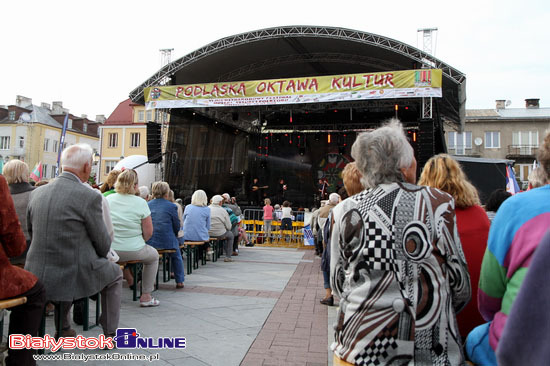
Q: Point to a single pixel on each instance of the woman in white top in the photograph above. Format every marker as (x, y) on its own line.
(133, 226)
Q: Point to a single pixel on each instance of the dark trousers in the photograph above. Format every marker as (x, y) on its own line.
(25, 319)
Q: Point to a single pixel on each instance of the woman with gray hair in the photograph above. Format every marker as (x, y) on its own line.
(397, 263)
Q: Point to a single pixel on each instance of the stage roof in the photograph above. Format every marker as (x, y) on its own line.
(302, 51)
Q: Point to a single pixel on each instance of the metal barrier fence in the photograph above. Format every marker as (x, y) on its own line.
(259, 233)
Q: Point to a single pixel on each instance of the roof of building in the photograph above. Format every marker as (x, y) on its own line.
(303, 51)
(508, 113)
(122, 115)
(38, 115)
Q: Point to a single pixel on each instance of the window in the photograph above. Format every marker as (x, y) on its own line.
(140, 116)
(46, 144)
(21, 141)
(11, 115)
(85, 127)
(135, 139)
(492, 140)
(460, 142)
(4, 142)
(149, 115)
(55, 143)
(525, 141)
(70, 123)
(113, 139)
(109, 165)
(44, 171)
(52, 175)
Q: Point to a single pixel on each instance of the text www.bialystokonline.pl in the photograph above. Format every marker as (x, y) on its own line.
(97, 357)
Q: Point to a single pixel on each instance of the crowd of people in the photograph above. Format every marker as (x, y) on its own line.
(65, 241)
(423, 272)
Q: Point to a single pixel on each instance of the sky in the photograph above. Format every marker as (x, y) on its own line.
(91, 55)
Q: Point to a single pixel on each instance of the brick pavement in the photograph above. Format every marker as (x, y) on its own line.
(295, 333)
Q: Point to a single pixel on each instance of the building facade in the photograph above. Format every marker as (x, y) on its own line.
(502, 133)
(124, 133)
(32, 133)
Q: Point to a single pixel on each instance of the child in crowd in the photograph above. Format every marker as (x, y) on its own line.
(268, 217)
(286, 217)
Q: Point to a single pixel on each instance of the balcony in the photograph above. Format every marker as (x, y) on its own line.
(522, 151)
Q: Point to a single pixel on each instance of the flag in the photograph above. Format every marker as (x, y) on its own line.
(36, 173)
(511, 182)
(308, 236)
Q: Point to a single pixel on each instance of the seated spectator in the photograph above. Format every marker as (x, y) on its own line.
(16, 282)
(525, 337)
(220, 225)
(108, 187)
(537, 178)
(396, 262)
(16, 173)
(443, 172)
(144, 193)
(179, 206)
(196, 219)
(516, 231)
(231, 204)
(494, 201)
(133, 226)
(166, 225)
(70, 242)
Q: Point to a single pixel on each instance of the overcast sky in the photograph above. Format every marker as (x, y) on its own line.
(90, 55)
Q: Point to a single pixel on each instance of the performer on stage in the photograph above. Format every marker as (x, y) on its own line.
(281, 190)
(257, 192)
(323, 185)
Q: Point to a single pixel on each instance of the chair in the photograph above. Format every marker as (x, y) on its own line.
(7, 304)
(136, 267)
(164, 255)
(214, 244)
(192, 255)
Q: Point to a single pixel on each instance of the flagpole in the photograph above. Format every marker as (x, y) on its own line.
(61, 143)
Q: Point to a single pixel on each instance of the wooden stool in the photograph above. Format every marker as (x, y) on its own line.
(193, 252)
(214, 242)
(7, 304)
(164, 256)
(135, 271)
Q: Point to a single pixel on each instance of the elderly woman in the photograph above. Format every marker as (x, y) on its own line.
(196, 218)
(166, 225)
(444, 173)
(16, 173)
(396, 263)
(133, 226)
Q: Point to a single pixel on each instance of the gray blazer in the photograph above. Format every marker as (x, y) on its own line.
(69, 240)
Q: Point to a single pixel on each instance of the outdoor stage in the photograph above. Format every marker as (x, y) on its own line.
(288, 102)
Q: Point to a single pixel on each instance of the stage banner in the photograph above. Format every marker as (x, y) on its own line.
(316, 89)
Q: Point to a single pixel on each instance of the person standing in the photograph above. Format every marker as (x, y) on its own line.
(268, 217)
(70, 242)
(396, 262)
(516, 231)
(443, 172)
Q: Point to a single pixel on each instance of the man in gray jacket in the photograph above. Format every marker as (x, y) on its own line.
(69, 242)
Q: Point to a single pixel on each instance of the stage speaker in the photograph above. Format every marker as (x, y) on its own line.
(154, 153)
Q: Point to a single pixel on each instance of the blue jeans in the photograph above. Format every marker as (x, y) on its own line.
(176, 261)
(326, 279)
